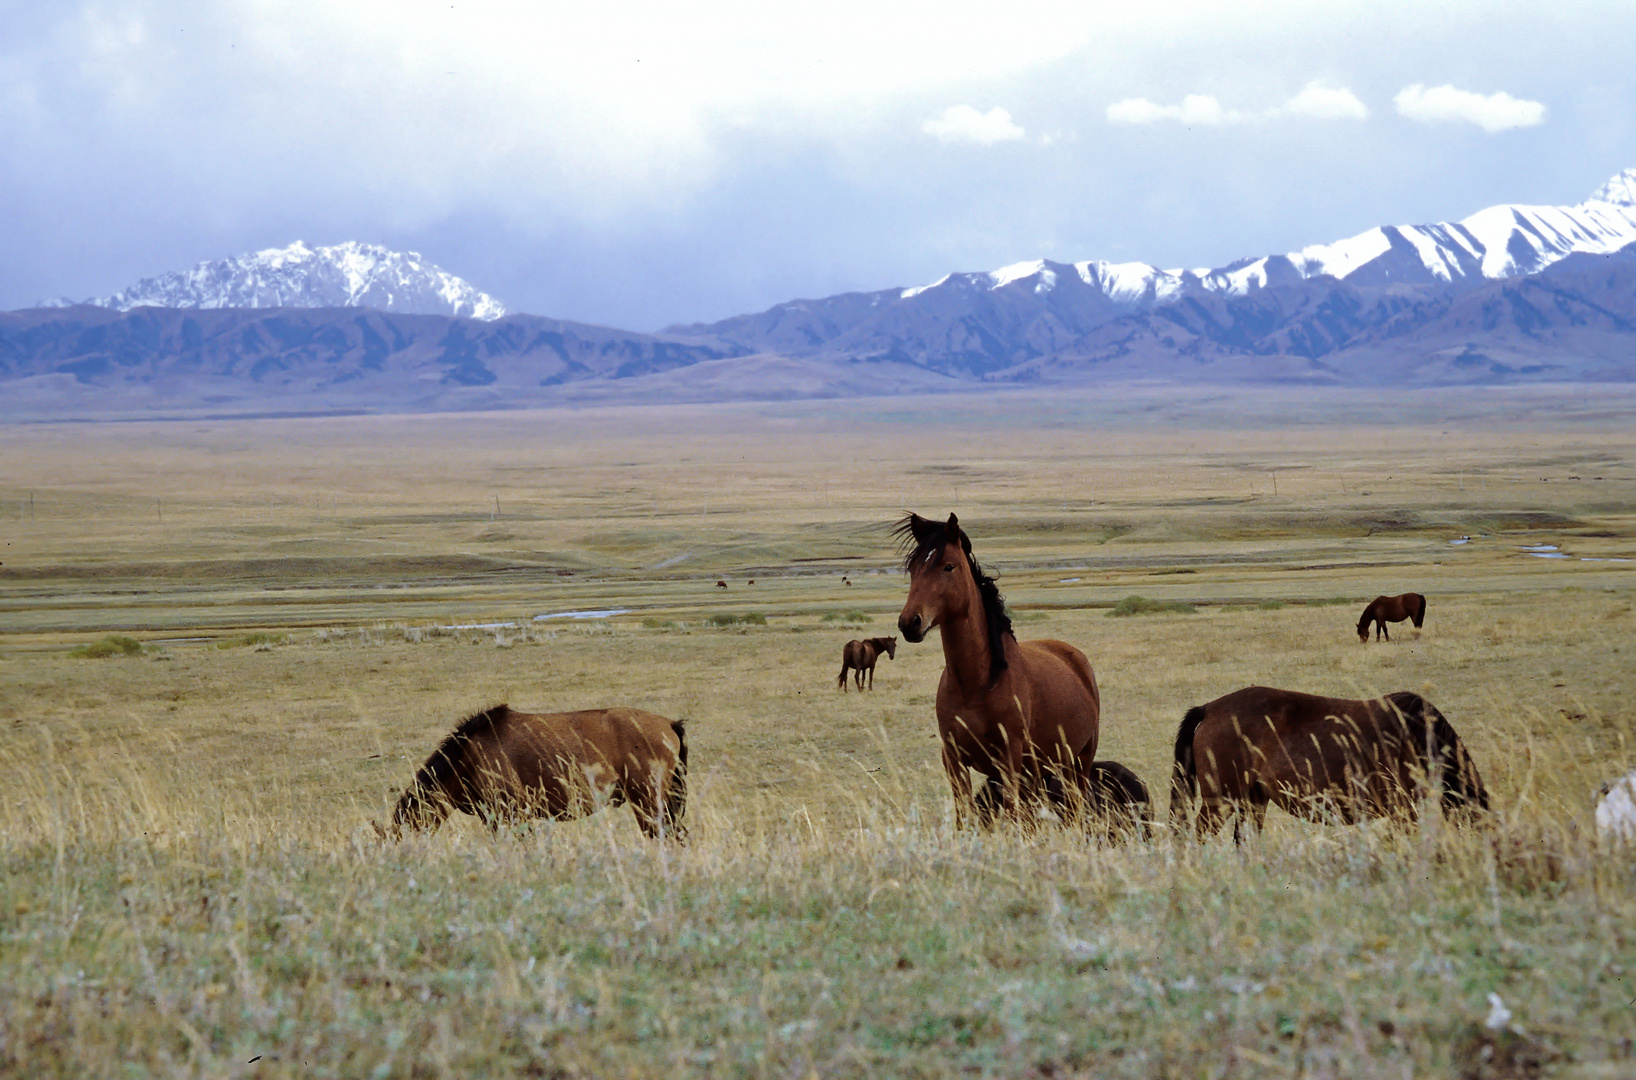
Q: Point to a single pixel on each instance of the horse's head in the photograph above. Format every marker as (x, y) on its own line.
(891, 647)
(1463, 796)
(1363, 628)
(417, 810)
(942, 574)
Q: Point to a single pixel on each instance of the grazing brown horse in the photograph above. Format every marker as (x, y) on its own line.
(1023, 714)
(859, 657)
(1118, 800)
(505, 766)
(1385, 609)
(1322, 759)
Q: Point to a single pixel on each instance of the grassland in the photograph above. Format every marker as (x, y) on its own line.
(191, 886)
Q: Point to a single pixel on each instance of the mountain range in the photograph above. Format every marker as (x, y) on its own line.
(1511, 293)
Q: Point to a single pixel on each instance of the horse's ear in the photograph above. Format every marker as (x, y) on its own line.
(954, 523)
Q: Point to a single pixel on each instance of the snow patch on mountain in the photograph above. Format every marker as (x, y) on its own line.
(341, 275)
(1499, 242)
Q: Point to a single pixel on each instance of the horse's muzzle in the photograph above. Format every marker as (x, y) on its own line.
(911, 628)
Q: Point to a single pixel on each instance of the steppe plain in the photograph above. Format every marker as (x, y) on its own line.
(192, 886)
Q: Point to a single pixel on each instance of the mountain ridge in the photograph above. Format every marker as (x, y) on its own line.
(1509, 294)
(349, 274)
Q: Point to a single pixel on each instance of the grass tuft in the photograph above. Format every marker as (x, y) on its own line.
(853, 616)
(258, 639)
(102, 648)
(1141, 605)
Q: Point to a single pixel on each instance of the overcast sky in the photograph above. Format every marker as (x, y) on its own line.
(644, 165)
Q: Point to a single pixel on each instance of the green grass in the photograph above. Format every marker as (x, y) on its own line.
(1141, 605)
(773, 947)
(104, 647)
(853, 616)
(725, 620)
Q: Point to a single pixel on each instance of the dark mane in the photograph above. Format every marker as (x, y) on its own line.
(933, 535)
(481, 721)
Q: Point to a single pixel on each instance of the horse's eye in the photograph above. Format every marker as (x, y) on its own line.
(948, 568)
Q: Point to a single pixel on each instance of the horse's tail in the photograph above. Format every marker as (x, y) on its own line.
(840, 680)
(1184, 773)
(676, 793)
(1417, 610)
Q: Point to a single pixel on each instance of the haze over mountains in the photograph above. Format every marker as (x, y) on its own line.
(1511, 293)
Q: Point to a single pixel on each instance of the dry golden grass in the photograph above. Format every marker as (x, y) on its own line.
(190, 881)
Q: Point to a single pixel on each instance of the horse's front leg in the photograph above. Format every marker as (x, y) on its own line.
(959, 786)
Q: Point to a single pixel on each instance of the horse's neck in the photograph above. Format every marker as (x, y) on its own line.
(965, 648)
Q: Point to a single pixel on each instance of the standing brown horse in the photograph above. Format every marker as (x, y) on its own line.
(1023, 714)
(1385, 609)
(1322, 759)
(859, 657)
(503, 766)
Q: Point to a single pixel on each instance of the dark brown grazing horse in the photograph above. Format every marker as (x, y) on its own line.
(1023, 714)
(859, 657)
(1119, 802)
(1322, 759)
(1385, 609)
(505, 766)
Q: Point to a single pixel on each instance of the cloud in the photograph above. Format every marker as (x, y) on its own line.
(1316, 101)
(1194, 109)
(1445, 104)
(964, 124)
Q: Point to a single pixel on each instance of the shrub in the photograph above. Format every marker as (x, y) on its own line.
(1141, 605)
(853, 616)
(752, 619)
(112, 645)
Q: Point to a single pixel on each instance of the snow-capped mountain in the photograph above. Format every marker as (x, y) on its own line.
(1499, 242)
(987, 324)
(342, 275)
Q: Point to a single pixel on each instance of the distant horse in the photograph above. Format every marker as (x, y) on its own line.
(1023, 714)
(504, 766)
(1385, 609)
(859, 657)
(1321, 759)
(720, 584)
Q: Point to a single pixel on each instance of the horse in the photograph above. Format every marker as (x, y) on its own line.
(720, 584)
(1321, 759)
(1117, 799)
(1025, 715)
(1385, 609)
(860, 656)
(505, 766)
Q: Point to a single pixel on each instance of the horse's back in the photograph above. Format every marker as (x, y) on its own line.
(1058, 661)
(1291, 746)
(1061, 683)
